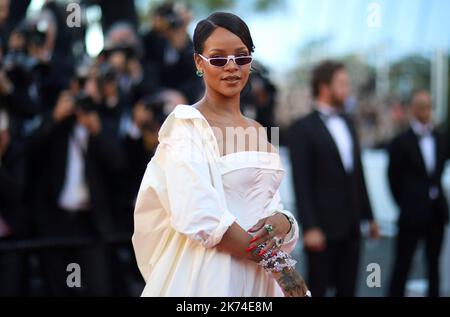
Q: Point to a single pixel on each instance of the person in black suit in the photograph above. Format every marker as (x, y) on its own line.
(417, 160)
(329, 184)
(81, 154)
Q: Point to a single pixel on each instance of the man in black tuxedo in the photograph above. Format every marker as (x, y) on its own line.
(329, 184)
(417, 159)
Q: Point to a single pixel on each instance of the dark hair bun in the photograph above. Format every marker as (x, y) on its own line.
(228, 21)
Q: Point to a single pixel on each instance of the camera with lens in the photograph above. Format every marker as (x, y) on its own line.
(168, 13)
(127, 49)
(18, 61)
(106, 74)
(84, 103)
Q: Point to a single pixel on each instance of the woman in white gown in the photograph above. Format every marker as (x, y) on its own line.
(207, 213)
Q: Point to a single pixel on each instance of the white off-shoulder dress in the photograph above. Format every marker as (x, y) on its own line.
(188, 199)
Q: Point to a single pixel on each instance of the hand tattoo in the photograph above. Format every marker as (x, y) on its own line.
(291, 283)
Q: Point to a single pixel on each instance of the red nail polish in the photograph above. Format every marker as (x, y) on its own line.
(262, 253)
(250, 249)
(253, 240)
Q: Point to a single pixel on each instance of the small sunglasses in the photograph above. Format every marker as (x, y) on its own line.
(222, 61)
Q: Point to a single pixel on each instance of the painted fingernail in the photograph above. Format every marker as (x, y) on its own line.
(250, 249)
(262, 253)
(253, 240)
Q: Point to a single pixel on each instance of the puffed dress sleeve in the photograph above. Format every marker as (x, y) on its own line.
(195, 208)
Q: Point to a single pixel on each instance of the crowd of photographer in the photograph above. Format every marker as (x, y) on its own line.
(76, 134)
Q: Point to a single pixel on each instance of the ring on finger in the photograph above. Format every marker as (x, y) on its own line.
(278, 241)
(269, 228)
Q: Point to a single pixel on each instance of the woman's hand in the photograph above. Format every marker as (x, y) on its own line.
(234, 240)
(280, 228)
(65, 107)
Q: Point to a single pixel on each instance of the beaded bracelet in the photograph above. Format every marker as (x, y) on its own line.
(276, 262)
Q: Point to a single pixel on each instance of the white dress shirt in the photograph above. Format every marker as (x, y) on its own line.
(427, 145)
(340, 133)
(75, 194)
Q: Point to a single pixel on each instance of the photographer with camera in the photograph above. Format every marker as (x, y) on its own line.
(35, 81)
(82, 155)
(169, 50)
(17, 70)
(113, 104)
(123, 52)
(19, 106)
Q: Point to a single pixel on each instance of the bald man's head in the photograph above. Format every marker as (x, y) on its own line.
(422, 107)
